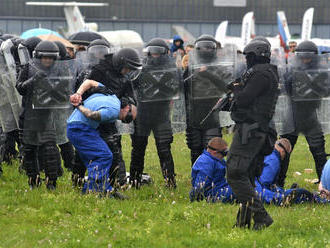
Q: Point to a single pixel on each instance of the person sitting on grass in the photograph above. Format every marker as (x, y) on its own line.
(208, 174)
(83, 134)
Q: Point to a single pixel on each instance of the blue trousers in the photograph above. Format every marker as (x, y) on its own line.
(95, 155)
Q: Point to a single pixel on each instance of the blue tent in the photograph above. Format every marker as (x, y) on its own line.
(38, 31)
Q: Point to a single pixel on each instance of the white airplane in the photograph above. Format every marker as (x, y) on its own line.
(76, 23)
(306, 30)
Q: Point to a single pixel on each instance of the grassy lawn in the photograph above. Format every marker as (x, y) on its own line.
(154, 216)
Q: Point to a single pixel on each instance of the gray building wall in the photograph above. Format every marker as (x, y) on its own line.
(150, 30)
(153, 18)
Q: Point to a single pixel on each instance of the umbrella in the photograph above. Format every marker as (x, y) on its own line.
(84, 38)
(38, 31)
(52, 37)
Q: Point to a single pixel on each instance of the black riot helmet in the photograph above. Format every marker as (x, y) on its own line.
(46, 49)
(31, 44)
(206, 47)
(306, 55)
(257, 52)
(127, 58)
(97, 49)
(307, 47)
(262, 38)
(157, 52)
(62, 50)
(258, 48)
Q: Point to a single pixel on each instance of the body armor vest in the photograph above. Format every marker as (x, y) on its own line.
(263, 107)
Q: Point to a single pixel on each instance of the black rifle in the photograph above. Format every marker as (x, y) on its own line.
(223, 104)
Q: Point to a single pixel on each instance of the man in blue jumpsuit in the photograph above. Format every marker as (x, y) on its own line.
(208, 174)
(83, 134)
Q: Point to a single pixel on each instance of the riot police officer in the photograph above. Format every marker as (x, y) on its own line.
(255, 97)
(39, 135)
(204, 83)
(156, 86)
(305, 99)
(115, 72)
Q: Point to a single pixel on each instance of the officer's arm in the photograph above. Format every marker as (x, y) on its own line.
(23, 82)
(94, 115)
(255, 87)
(86, 85)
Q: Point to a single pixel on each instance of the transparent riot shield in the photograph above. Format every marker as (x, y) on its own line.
(307, 85)
(52, 85)
(9, 112)
(15, 99)
(158, 91)
(207, 81)
(278, 58)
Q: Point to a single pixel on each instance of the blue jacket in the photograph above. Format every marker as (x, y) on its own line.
(208, 176)
(174, 48)
(269, 193)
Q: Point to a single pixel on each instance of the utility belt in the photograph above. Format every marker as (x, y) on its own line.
(246, 130)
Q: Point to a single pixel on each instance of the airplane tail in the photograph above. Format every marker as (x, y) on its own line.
(184, 33)
(247, 28)
(306, 28)
(73, 16)
(283, 28)
(220, 34)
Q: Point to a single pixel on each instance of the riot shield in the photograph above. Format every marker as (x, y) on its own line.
(9, 111)
(53, 85)
(207, 81)
(278, 58)
(15, 99)
(47, 106)
(307, 84)
(157, 90)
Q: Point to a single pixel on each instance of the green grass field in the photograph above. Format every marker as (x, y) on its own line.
(154, 216)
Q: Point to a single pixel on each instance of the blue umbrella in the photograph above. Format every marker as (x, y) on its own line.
(38, 31)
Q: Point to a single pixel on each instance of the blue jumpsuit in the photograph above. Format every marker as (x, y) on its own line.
(93, 151)
(208, 179)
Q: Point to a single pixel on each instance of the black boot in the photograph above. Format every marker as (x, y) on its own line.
(261, 220)
(34, 181)
(50, 184)
(243, 219)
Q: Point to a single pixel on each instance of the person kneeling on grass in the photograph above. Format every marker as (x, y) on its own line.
(209, 171)
(82, 132)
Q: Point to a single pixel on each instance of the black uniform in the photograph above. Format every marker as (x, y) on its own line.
(253, 108)
(202, 91)
(110, 77)
(304, 111)
(154, 115)
(40, 141)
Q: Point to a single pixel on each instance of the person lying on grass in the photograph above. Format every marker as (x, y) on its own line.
(209, 181)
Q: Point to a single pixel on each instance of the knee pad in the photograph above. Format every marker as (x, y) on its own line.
(194, 138)
(51, 159)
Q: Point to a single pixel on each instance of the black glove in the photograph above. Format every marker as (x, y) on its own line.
(39, 75)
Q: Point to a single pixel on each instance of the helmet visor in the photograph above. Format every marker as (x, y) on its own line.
(98, 51)
(205, 45)
(155, 50)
